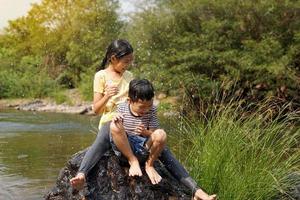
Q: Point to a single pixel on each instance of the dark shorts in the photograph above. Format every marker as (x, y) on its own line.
(137, 144)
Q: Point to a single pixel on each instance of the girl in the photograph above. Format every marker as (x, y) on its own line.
(110, 89)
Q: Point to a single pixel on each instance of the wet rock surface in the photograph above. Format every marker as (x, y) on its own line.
(109, 180)
(294, 191)
(43, 106)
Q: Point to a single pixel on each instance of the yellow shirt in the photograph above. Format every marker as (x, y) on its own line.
(100, 80)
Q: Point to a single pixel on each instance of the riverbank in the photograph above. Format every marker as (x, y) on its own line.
(46, 105)
(76, 104)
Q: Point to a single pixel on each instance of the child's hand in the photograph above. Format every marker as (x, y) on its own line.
(111, 90)
(140, 129)
(118, 118)
(201, 195)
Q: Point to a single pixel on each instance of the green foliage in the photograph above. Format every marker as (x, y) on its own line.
(30, 83)
(165, 107)
(240, 157)
(177, 43)
(249, 42)
(58, 40)
(60, 97)
(91, 33)
(86, 86)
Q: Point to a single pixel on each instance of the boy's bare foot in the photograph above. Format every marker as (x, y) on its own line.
(78, 181)
(135, 169)
(153, 175)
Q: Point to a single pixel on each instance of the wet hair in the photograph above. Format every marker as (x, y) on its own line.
(140, 89)
(118, 48)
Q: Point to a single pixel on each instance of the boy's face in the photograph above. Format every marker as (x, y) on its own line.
(140, 107)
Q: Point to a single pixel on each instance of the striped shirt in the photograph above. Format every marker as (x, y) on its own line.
(130, 121)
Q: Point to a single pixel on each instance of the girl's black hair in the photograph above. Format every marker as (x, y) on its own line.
(119, 48)
(140, 89)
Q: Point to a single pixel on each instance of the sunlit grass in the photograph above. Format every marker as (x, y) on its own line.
(240, 157)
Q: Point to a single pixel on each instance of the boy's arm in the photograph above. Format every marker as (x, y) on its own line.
(119, 117)
(153, 122)
(152, 125)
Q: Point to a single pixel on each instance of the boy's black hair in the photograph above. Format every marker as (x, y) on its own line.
(119, 48)
(140, 89)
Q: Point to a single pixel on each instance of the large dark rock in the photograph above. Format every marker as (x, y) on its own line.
(294, 191)
(109, 180)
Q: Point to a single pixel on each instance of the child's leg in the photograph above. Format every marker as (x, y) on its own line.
(92, 156)
(179, 172)
(121, 141)
(155, 144)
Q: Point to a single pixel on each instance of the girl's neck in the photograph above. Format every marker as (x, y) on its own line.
(112, 72)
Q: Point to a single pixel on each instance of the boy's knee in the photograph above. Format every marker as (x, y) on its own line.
(160, 136)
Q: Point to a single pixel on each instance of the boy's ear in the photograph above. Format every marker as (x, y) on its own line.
(128, 100)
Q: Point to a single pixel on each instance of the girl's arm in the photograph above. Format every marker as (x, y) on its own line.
(100, 99)
(99, 102)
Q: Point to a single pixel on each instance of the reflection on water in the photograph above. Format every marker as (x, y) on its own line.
(15, 187)
(35, 146)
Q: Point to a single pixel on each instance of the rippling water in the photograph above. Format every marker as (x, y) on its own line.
(35, 146)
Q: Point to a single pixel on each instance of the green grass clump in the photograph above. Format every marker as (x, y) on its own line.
(241, 157)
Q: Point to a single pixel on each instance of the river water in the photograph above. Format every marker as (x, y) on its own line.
(35, 146)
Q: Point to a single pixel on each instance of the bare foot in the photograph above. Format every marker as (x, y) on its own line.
(78, 181)
(135, 169)
(201, 195)
(152, 174)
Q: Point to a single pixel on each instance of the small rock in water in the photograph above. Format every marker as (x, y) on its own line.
(21, 156)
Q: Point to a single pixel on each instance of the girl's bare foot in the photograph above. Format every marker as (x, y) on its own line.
(201, 195)
(78, 181)
(153, 175)
(135, 169)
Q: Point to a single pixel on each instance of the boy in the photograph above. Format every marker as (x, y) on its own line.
(137, 118)
(134, 131)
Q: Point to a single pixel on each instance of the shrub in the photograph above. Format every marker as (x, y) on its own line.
(240, 157)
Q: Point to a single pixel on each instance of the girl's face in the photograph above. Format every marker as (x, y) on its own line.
(121, 64)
